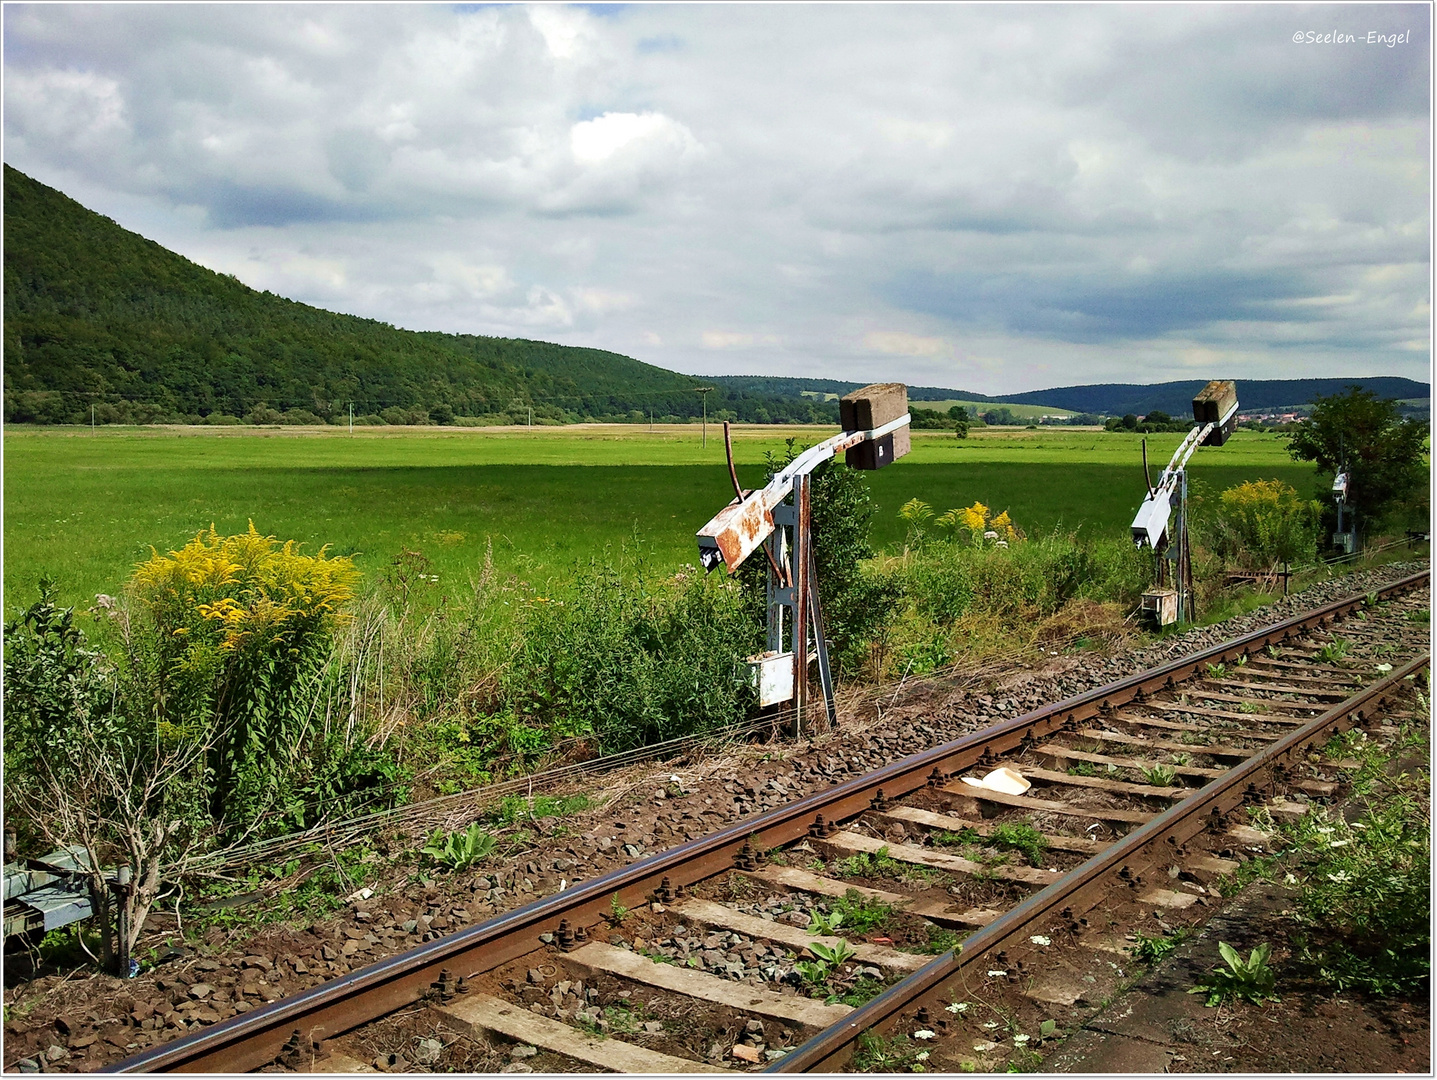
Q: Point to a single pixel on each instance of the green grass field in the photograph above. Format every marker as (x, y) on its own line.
(977, 408)
(84, 508)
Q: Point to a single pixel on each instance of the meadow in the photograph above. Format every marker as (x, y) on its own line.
(85, 507)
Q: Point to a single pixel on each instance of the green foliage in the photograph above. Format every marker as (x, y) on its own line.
(860, 913)
(1151, 950)
(629, 661)
(877, 1054)
(1333, 651)
(1028, 580)
(1365, 895)
(1250, 980)
(459, 850)
(1160, 775)
(1263, 522)
(880, 864)
(1007, 836)
(1382, 451)
(515, 809)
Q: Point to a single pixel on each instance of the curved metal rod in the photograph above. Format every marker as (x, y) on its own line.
(1147, 476)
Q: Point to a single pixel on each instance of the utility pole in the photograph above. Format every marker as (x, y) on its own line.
(705, 391)
(531, 418)
(92, 418)
(351, 418)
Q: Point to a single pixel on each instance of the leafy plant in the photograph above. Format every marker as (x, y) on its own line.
(1150, 950)
(617, 911)
(1366, 896)
(1216, 671)
(879, 1054)
(1159, 775)
(1251, 980)
(1333, 651)
(459, 850)
(840, 952)
(861, 913)
(819, 923)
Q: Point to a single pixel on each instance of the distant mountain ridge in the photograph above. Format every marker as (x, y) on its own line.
(1117, 399)
(1175, 398)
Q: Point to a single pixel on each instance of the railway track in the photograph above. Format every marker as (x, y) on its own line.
(826, 927)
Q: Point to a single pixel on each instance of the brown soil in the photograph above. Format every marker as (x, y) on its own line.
(1157, 1026)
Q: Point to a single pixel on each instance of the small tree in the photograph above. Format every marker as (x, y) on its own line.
(1382, 452)
(87, 765)
(959, 415)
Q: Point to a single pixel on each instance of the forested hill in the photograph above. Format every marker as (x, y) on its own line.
(1175, 398)
(98, 316)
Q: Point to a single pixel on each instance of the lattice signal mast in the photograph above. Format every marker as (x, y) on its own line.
(777, 518)
(1170, 599)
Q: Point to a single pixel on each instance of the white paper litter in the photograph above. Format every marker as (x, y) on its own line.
(1004, 779)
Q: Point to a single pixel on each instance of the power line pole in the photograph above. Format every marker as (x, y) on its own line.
(705, 391)
(351, 418)
(531, 418)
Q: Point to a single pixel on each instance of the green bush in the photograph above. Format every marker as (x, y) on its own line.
(629, 661)
(1263, 522)
(1366, 897)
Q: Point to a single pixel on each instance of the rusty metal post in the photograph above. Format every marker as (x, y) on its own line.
(820, 641)
(800, 578)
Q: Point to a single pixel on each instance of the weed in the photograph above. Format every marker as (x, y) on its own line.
(876, 1054)
(864, 990)
(940, 940)
(1421, 616)
(459, 851)
(1159, 775)
(516, 809)
(617, 912)
(1009, 836)
(1252, 980)
(1151, 950)
(853, 910)
(881, 864)
(1082, 768)
(1252, 707)
(1182, 759)
(1333, 651)
(1216, 671)
(1366, 895)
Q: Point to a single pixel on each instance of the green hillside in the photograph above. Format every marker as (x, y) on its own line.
(99, 316)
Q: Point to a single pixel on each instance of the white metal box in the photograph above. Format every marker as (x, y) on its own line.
(1162, 604)
(773, 677)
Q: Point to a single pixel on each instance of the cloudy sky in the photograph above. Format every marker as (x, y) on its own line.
(996, 198)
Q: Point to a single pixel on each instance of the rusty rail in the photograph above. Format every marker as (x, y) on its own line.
(256, 1038)
(1123, 864)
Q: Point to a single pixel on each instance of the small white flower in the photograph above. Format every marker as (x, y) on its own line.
(984, 1047)
(1020, 1039)
(1040, 939)
(1384, 668)
(1290, 879)
(922, 1055)
(924, 1034)
(997, 974)
(958, 1006)
(990, 1025)
(1326, 832)
(1339, 843)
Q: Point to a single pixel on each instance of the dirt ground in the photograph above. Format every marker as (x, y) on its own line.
(1157, 1026)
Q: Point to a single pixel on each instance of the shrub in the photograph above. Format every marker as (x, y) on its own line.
(1265, 522)
(240, 629)
(1367, 898)
(629, 663)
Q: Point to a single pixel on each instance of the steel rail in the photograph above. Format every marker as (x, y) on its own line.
(1147, 848)
(256, 1038)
